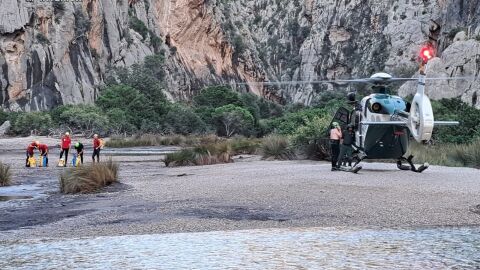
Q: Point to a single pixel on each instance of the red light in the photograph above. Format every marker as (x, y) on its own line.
(427, 53)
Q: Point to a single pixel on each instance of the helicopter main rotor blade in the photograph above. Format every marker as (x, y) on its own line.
(303, 82)
(446, 123)
(372, 81)
(449, 78)
(384, 123)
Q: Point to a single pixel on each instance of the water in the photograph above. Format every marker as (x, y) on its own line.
(20, 192)
(11, 198)
(312, 248)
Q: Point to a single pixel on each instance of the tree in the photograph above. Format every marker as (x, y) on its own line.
(137, 107)
(216, 96)
(183, 120)
(232, 119)
(119, 121)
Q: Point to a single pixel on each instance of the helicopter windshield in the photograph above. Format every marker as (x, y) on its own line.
(386, 104)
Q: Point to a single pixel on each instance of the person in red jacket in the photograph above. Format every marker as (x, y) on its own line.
(97, 145)
(30, 148)
(43, 148)
(66, 142)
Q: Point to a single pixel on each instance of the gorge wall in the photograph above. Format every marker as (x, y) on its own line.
(54, 53)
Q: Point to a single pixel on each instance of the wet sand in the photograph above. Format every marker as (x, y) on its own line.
(247, 194)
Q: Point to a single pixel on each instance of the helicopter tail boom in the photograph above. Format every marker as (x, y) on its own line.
(404, 124)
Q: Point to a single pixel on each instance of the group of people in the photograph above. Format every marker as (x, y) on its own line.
(66, 144)
(341, 143)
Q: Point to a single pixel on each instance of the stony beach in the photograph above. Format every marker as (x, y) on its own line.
(247, 194)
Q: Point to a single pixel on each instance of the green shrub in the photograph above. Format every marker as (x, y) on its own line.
(138, 26)
(81, 118)
(276, 147)
(89, 178)
(290, 122)
(5, 175)
(3, 116)
(32, 122)
(455, 109)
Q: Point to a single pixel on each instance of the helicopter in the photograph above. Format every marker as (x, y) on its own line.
(384, 123)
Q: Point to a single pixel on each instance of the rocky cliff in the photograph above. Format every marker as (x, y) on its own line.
(55, 53)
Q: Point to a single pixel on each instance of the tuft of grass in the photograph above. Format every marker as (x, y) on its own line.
(206, 154)
(185, 157)
(276, 147)
(454, 155)
(5, 175)
(90, 178)
(241, 145)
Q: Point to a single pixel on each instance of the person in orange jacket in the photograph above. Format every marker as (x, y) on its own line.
(65, 144)
(43, 148)
(97, 145)
(30, 151)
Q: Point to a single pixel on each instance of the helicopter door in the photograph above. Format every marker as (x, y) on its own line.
(342, 116)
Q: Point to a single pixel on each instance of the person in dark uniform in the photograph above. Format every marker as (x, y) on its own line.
(346, 149)
(335, 136)
(79, 147)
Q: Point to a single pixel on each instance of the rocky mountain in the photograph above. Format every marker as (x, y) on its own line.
(55, 53)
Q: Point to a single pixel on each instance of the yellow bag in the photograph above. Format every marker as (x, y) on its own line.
(32, 162)
(40, 161)
(102, 143)
(61, 163)
(78, 162)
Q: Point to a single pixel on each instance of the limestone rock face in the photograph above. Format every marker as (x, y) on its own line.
(53, 54)
(5, 128)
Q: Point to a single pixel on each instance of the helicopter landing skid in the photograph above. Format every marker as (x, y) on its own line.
(411, 166)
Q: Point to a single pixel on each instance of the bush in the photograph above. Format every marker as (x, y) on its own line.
(290, 122)
(89, 178)
(455, 109)
(81, 118)
(3, 116)
(138, 26)
(5, 175)
(310, 138)
(32, 122)
(276, 147)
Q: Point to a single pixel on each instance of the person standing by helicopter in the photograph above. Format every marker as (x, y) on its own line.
(335, 136)
(346, 149)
